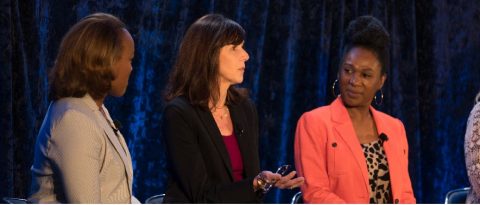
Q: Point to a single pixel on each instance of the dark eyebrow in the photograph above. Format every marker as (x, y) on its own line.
(367, 69)
(361, 69)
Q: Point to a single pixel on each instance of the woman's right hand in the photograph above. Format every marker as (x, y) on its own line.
(265, 177)
(265, 180)
(289, 181)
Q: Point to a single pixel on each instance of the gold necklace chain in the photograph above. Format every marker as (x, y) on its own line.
(223, 115)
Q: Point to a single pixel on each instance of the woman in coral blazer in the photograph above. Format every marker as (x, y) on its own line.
(348, 152)
(330, 157)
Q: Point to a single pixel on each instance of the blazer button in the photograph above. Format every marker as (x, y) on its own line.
(397, 201)
(334, 144)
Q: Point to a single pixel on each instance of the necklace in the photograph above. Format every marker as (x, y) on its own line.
(224, 114)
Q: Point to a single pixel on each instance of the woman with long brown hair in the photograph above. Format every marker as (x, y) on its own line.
(211, 126)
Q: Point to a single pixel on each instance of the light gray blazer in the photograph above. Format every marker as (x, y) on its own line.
(79, 158)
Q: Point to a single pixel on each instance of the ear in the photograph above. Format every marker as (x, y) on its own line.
(382, 80)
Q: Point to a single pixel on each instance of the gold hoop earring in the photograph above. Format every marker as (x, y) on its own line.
(381, 98)
(333, 87)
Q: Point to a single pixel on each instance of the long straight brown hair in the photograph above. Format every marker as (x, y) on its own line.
(195, 73)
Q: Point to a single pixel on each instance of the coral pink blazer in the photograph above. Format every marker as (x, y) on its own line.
(329, 156)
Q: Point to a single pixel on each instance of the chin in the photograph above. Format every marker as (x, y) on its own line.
(351, 102)
(240, 80)
(118, 93)
(236, 82)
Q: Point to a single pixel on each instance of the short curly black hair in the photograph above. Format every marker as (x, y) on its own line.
(368, 32)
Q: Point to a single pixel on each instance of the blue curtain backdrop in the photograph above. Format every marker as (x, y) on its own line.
(294, 48)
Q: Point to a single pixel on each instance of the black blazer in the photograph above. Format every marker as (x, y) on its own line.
(198, 161)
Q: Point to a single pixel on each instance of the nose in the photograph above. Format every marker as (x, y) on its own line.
(245, 55)
(353, 79)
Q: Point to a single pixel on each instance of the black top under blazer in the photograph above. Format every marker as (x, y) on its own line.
(199, 164)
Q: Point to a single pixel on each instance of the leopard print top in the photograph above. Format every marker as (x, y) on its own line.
(472, 154)
(379, 176)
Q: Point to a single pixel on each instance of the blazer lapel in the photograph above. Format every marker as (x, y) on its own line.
(344, 128)
(216, 137)
(239, 124)
(121, 147)
(118, 147)
(391, 151)
(121, 150)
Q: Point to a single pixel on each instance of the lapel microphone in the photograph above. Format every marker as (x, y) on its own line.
(239, 130)
(383, 138)
(117, 125)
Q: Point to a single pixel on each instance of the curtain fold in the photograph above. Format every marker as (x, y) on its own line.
(295, 51)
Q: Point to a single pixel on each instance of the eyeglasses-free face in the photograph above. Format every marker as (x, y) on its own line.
(360, 77)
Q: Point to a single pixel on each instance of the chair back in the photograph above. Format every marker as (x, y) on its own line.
(11, 200)
(297, 198)
(156, 199)
(457, 196)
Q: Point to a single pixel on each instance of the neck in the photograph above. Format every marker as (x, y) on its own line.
(359, 113)
(222, 98)
(99, 102)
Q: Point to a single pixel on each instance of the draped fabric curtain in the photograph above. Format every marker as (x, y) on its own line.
(295, 50)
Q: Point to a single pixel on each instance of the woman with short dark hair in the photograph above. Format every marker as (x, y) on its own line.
(80, 155)
(212, 127)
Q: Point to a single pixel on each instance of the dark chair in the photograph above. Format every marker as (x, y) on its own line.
(156, 199)
(297, 198)
(11, 200)
(457, 196)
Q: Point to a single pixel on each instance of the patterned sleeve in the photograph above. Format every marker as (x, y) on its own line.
(472, 149)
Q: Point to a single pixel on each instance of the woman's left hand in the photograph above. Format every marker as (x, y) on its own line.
(288, 182)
